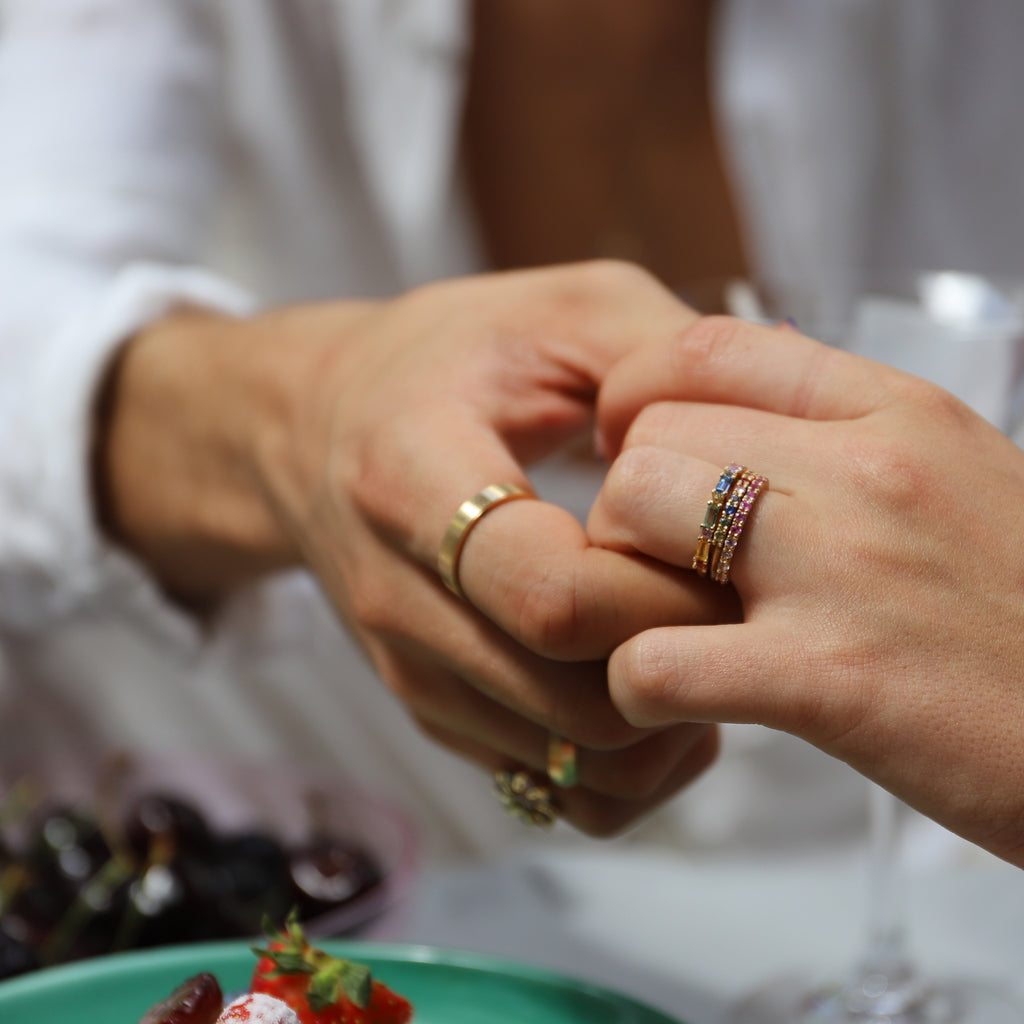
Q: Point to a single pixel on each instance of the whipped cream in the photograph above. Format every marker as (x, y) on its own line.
(258, 1008)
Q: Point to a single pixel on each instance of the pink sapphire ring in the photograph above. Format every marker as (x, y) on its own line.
(728, 509)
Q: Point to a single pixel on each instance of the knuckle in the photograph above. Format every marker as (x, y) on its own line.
(549, 618)
(702, 346)
(653, 424)
(369, 474)
(612, 275)
(371, 605)
(580, 284)
(888, 473)
(647, 684)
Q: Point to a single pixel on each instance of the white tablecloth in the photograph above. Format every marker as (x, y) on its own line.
(694, 938)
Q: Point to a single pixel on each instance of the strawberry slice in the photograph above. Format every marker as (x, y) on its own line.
(320, 988)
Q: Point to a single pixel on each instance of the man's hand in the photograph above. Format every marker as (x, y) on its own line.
(346, 435)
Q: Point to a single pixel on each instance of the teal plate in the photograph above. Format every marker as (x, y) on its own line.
(444, 987)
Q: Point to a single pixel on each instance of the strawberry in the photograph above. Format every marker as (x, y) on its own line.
(320, 988)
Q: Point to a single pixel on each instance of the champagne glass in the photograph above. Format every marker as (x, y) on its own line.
(965, 333)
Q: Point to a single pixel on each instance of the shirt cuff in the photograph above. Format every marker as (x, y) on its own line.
(55, 564)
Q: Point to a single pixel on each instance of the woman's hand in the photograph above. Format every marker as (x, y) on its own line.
(346, 435)
(881, 576)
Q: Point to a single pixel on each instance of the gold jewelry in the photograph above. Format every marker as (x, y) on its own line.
(469, 514)
(719, 496)
(562, 767)
(728, 509)
(524, 798)
(725, 519)
(756, 486)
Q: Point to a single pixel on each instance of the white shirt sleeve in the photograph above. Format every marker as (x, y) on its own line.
(110, 140)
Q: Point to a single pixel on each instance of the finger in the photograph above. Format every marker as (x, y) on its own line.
(615, 308)
(402, 615)
(654, 501)
(540, 578)
(528, 697)
(733, 362)
(791, 449)
(592, 812)
(528, 565)
(753, 672)
(628, 773)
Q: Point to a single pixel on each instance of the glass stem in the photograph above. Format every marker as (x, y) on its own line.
(886, 983)
(886, 909)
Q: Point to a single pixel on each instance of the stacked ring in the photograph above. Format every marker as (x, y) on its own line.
(727, 512)
(722, 564)
(716, 503)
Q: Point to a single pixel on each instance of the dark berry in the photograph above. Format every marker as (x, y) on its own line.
(16, 956)
(198, 1000)
(330, 871)
(252, 881)
(160, 827)
(66, 847)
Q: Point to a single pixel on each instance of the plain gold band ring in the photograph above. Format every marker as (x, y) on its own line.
(469, 514)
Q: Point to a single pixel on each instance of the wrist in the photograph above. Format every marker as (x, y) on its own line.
(175, 473)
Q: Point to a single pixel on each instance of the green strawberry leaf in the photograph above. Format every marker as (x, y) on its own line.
(335, 978)
(285, 962)
(332, 978)
(356, 981)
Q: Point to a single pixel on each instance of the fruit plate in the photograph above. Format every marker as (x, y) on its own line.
(445, 987)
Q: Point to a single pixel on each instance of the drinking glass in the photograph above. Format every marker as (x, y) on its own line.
(966, 333)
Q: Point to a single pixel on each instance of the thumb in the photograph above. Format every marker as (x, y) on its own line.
(742, 673)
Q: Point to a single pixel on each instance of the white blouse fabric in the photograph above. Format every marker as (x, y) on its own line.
(241, 153)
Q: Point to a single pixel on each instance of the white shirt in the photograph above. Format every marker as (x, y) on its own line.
(250, 152)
